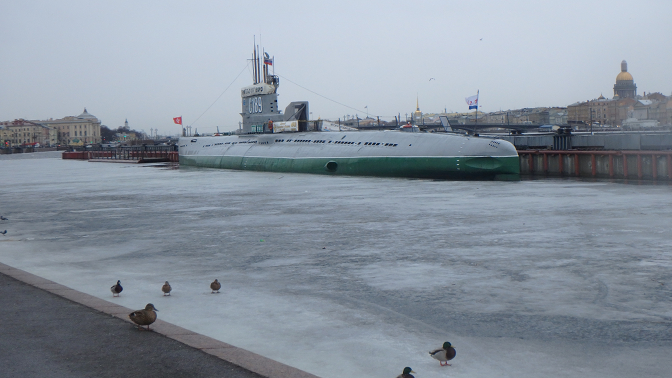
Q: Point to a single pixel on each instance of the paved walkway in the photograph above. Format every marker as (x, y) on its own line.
(49, 330)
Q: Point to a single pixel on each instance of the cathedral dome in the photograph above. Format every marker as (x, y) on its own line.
(625, 85)
(624, 75)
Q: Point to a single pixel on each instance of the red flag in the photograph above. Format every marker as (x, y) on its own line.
(178, 120)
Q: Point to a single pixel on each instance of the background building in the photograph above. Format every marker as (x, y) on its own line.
(77, 131)
(70, 131)
(625, 85)
(21, 132)
(607, 112)
(417, 114)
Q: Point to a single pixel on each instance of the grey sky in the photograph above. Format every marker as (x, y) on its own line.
(149, 61)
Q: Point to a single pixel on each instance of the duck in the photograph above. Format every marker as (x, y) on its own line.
(445, 354)
(406, 373)
(116, 289)
(144, 317)
(3, 232)
(166, 289)
(3, 218)
(215, 286)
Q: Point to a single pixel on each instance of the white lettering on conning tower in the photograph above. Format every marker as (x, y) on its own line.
(255, 90)
(255, 105)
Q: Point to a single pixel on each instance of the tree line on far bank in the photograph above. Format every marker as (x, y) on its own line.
(110, 135)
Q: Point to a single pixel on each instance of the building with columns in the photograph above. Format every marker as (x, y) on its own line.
(21, 132)
(600, 111)
(77, 131)
(68, 131)
(625, 85)
(607, 112)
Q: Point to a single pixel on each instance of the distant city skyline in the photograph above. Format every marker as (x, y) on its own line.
(149, 62)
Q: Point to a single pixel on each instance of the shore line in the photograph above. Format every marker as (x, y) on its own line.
(240, 357)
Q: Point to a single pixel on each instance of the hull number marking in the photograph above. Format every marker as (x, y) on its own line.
(255, 105)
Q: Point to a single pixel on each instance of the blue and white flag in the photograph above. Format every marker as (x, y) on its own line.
(472, 101)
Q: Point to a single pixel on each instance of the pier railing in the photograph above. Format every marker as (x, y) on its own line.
(132, 154)
(642, 165)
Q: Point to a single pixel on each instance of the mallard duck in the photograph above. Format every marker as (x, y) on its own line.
(215, 286)
(406, 373)
(3, 218)
(116, 289)
(166, 289)
(144, 317)
(444, 354)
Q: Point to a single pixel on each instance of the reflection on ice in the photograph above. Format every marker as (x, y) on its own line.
(363, 276)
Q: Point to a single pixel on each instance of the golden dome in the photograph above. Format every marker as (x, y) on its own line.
(624, 75)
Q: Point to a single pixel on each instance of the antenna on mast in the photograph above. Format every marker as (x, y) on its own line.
(254, 61)
(256, 53)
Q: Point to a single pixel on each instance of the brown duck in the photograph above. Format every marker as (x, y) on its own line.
(166, 289)
(144, 317)
(215, 286)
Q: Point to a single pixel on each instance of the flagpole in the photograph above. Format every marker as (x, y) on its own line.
(475, 122)
(478, 92)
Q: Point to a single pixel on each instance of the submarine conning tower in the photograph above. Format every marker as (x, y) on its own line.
(260, 108)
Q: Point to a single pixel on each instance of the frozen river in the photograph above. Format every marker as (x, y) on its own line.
(351, 276)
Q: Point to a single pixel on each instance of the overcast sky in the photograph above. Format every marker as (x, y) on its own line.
(150, 61)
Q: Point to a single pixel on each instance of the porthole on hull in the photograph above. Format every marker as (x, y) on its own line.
(331, 166)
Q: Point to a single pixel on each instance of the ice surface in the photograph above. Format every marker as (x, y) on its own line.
(347, 276)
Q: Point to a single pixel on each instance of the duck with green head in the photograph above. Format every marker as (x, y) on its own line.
(406, 373)
(116, 289)
(445, 354)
